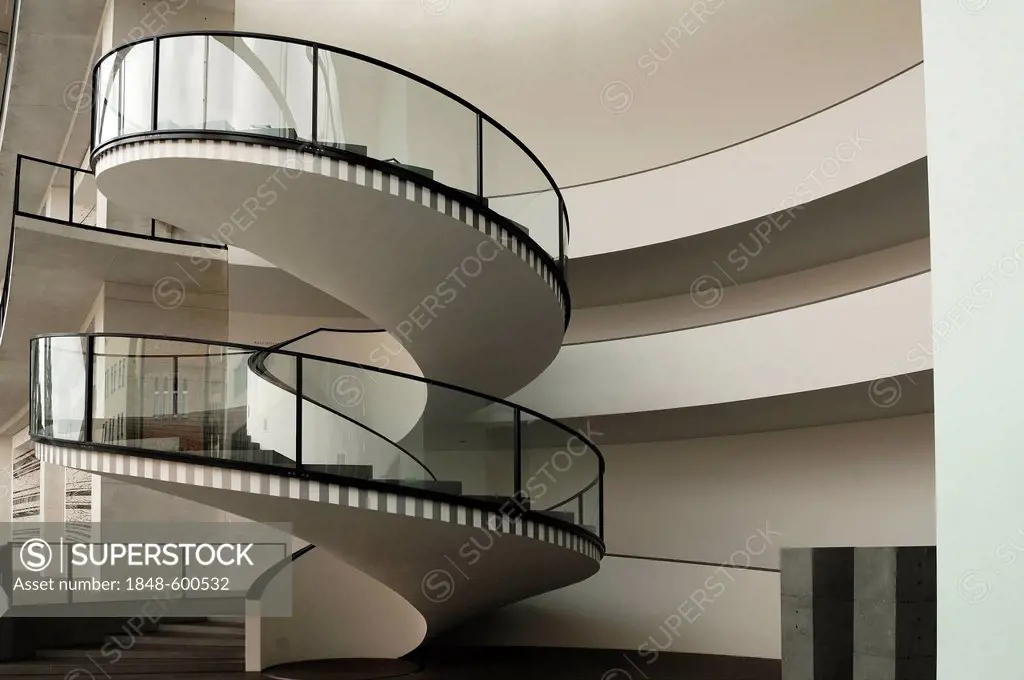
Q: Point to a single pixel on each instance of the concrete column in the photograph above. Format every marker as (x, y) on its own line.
(974, 93)
(817, 613)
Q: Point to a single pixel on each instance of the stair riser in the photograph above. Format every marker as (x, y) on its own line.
(175, 641)
(168, 666)
(79, 656)
(202, 631)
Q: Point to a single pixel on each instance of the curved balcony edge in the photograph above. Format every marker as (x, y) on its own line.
(305, 108)
(79, 371)
(326, 478)
(452, 195)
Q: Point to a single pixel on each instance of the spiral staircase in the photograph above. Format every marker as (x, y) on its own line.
(413, 477)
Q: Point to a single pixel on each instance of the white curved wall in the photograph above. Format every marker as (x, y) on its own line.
(865, 137)
(711, 304)
(880, 332)
(645, 608)
(634, 99)
(732, 500)
(337, 612)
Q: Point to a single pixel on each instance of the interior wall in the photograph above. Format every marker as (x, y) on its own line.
(735, 501)
(134, 309)
(711, 305)
(798, 350)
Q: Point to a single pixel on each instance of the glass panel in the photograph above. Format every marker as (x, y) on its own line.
(181, 99)
(44, 190)
(137, 89)
(516, 189)
(236, 84)
(124, 92)
(557, 466)
(108, 98)
(370, 110)
(84, 199)
(352, 417)
(165, 395)
(59, 387)
(590, 510)
(469, 440)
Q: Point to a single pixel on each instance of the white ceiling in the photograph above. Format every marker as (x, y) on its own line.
(578, 82)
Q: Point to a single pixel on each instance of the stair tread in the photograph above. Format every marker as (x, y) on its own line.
(179, 641)
(149, 653)
(200, 629)
(138, 665)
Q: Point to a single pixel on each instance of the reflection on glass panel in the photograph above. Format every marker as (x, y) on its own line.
(469, 440)
(182, 97)
(590, 509)
(124, 92)
(166, 395)
(351, 417)
(557, 465)
(59, 387)
(516, 189)
(236, 84)
(137, 90)
(84, 199)
(370, 110)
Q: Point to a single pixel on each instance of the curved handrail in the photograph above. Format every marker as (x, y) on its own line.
(257, 364)
(563, 216)
(518, 409)
(261, 582)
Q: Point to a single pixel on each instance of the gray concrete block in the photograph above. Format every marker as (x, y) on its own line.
(797, 638)
(875, 574)
(833, 574)
(833, 639)
(916, 633)
(867, 667)
(916, 574)
(920, 668)
(874, 628)
(797, 571)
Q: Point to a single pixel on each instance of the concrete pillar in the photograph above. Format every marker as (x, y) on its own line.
(858, 613)
(894, 614)
(817, 613)
(974, 89)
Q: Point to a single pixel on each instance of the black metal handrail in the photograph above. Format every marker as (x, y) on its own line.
(257, 364)
(298, 470)
(73, 174)
(103, 94)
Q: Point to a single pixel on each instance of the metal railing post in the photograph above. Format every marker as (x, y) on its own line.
(156, 82)
(90, 369)
(479, 155)
(517, 439)
(71, 198)
(315, 134)
(298, 413)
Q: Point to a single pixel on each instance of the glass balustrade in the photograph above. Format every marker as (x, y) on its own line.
(306, 96)
(301, 414)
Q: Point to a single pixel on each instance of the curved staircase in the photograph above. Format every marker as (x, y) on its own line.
(421, 487)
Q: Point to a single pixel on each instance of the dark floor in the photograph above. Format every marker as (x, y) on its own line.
(518, 663)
